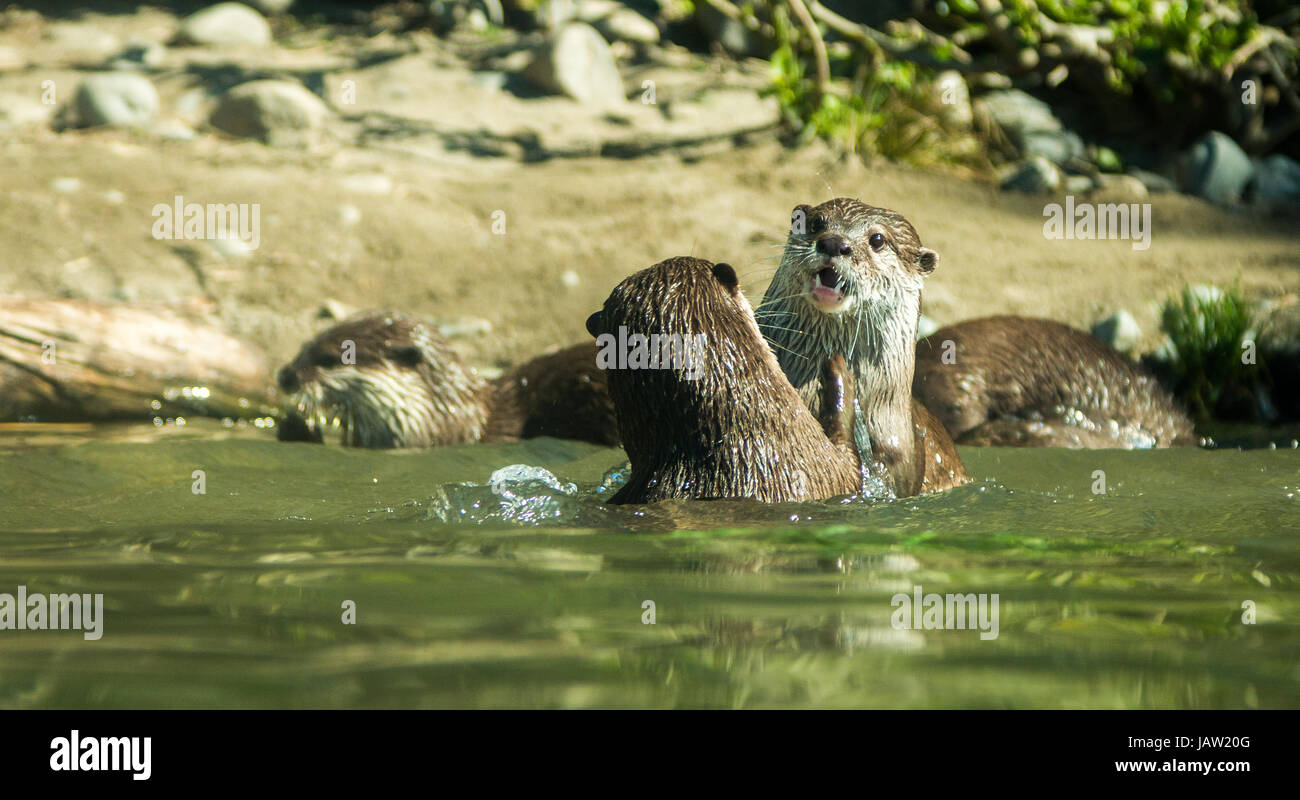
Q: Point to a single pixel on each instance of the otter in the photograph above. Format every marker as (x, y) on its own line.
(722, 422)
(1019, 381)
(387, 380)
(850, 282)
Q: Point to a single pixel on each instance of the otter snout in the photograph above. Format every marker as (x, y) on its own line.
(287, 377)
(832, 246)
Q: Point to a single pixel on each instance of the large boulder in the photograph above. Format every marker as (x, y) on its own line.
(225, 23)
(115, 98)
(577, 62)
(279, 113)
(1217, 169)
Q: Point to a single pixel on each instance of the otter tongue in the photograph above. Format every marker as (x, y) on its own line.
(829, 277)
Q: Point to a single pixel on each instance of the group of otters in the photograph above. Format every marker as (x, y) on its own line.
(823, 392)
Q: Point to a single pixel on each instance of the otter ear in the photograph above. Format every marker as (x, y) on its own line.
(927, 260)
(726, 275)
(799, 219)
(595, 322)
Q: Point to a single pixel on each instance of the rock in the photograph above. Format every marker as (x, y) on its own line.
(271, 6)
(82, 41)
(1153, 182)
(1120, 188)
(225, 23)
(1079, 184)
(590, 10)
(577, 62)
(1033, 175)
(1058, 147)
(115, 98)
(733, 34)
(625, 25)
(1275, 182)
(954, 98)
(279, 113)
(1120, 330)
(1018, 113)
(1217, 169)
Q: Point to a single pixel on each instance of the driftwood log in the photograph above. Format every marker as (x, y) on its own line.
(78, 360)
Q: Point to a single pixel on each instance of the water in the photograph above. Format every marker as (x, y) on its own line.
(532, 595)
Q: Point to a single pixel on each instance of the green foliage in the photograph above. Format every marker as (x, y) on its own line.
(886, 108)
(1207, 332)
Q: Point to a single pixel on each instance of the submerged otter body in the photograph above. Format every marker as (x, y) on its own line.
(386, 380)
(850, 282)
(1017, 381)
(727, 424)
(563, 395)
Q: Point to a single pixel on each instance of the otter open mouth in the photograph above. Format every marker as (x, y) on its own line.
(826, 291)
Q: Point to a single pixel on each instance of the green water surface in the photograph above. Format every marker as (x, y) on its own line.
(234, 598)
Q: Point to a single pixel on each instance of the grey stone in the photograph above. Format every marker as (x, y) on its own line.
(1018, 113)
(1033, 175)
(226, 23)
(279, 113)
(1058, 147)
(1275, 182)
(1218, 169)
(626, 25)
(1155, 183)
(1120, 330)
(733, 34)
(115, 98)
(577, 62)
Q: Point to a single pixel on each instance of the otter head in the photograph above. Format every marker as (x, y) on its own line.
(382, 380)
(702, 406)
(850, 282)
(681, 331)
(844, 254)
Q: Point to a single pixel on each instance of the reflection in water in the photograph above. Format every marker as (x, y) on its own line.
(533, 593)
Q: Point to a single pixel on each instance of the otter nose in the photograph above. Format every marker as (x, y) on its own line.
(831, 246)
(288, 379)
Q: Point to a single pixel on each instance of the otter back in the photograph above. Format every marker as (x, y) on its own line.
(1020, 381)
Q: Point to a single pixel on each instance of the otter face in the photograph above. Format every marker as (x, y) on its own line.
(844, 254)
(381, 380)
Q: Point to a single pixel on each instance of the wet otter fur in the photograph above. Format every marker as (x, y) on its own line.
(730, 425)
(1019, 381)
(850, 282)
(383, 380)
(403, 386)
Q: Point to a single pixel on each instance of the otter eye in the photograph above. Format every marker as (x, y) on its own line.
(817, 224)
(408, 355)
(876, 240)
